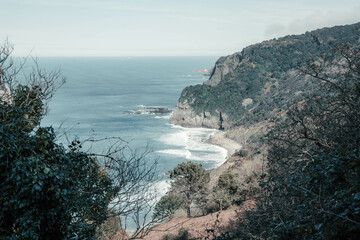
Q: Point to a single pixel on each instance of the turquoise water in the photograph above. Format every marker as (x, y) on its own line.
(99, 90)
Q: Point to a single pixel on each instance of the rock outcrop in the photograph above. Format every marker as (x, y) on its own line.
(149, 110)
(185, 116)
(223, 66)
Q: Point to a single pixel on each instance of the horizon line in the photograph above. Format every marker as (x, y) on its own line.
(119, 56)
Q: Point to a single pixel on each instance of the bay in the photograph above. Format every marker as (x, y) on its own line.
(99, 91)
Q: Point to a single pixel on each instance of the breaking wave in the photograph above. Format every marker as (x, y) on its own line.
(191, 143)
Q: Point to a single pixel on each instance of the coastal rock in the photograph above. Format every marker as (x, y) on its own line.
(185, 116)
(158, 110)
(223, 66)
(149, 110)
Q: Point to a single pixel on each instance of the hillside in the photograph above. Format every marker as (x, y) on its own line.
(258, 82)
(246, 94)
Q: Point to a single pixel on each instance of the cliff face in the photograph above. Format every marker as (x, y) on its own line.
(259, 82)
(184, 115)
(223, 66)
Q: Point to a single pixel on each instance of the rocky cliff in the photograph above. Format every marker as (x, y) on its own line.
(223, 66)
(259, 82)
(184, 115)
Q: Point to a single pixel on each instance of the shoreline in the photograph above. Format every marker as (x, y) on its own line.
(216, 138)
(220, 139)
(202, 137)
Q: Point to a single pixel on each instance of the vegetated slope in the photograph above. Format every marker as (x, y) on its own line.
(259, 82)
(250, 89)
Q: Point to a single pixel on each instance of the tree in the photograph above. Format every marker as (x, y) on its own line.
(52, 191)
(312, 190)
(226, 190)
(190, 181)
(167, 205)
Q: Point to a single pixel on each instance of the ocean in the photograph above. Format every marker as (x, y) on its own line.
(99, 93)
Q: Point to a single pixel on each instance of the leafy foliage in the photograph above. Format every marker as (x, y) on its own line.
(312, 189)
(47, 191)
(226, 190)
(190, 181)
(52, 191)
(228, 181)
(265, 74)
(168, 204)
(188, 184)
(182, 234)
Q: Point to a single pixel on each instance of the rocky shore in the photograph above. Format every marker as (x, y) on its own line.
(149, 110)
(185, 116)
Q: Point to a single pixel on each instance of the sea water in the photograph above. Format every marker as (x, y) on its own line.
(99, 93)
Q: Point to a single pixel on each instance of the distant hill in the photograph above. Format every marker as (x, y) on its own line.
(259, 82)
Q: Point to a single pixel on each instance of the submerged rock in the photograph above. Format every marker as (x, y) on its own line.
(158, 110)
(149, 110)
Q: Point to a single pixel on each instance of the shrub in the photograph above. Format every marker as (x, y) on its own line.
(183, 234)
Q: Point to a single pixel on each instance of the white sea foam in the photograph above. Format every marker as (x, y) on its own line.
(151, 197)
(191, 143)
(161, 188)
(140, 106)
(163, 117)
(177, 138)
(178, 152)
(152, 194)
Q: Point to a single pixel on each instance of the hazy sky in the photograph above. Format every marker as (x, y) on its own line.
(161, 27)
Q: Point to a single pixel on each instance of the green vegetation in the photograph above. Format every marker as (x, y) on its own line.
(168, 204)
(265, 74)
(308, 88)
(310, 92)
(47, 191)
(228, 182)
(188, 184)
(226, 190)
(312, 188)
(182, 234)
(52, 191)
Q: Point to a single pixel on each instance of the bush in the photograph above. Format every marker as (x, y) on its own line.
(167, 205)
(183, 234)
(241, 153)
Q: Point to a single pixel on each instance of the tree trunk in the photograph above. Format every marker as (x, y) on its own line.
(188, 209)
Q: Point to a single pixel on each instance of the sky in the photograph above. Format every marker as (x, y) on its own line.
(161, 27)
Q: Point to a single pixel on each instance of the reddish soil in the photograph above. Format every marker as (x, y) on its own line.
(198, 227)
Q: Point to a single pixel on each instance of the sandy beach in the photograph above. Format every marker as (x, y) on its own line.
(220, 139)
